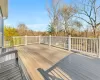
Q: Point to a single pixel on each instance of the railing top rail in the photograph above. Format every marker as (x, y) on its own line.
(84, 37)
(18, 36)
(60, 36)
(9, 52)
(24, 36)
(57, 36)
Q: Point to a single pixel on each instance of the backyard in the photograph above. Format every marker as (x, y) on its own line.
(49, 40)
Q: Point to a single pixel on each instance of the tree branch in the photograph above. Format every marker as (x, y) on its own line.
(98, 24)
(83, 19)
(97, 8)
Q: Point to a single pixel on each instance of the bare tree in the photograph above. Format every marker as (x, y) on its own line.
(78, 25)
(53, 11)
(22, 29)
(67, 12)
(86, 32)
(88, 12)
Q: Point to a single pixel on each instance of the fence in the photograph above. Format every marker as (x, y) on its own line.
(87, 46)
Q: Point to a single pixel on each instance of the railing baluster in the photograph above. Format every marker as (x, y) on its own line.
(71, 43)
(77, 43)
(94, 46)
(81, 45)
(86, 46)
(91, 45)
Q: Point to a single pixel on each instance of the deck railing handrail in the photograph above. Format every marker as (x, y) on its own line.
(88, 46)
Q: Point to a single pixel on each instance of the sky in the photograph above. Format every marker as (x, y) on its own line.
(33, 13)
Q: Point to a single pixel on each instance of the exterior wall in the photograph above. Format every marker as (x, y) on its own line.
(4, 7)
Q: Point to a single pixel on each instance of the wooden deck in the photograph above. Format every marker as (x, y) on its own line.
(39, 56)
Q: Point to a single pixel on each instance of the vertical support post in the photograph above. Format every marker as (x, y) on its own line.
(99, 48)
(69, 42)
(0, 39)
(50, 40)
(25, 39)
(3, 33)
(39, 39)
(2, 28)
(13, 41)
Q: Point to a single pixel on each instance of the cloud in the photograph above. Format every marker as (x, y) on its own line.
(38, 27)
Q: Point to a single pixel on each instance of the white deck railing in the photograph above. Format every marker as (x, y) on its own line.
(88, 46)
(85, 45)
(25, 40)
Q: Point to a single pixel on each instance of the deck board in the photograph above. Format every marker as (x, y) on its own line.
(10, 70)
(39, 56)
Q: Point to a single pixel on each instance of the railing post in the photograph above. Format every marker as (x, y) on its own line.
(50, 40)
(13, 40)
(69, 42)
(25, 39)
(99, 48)
(39, 39)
